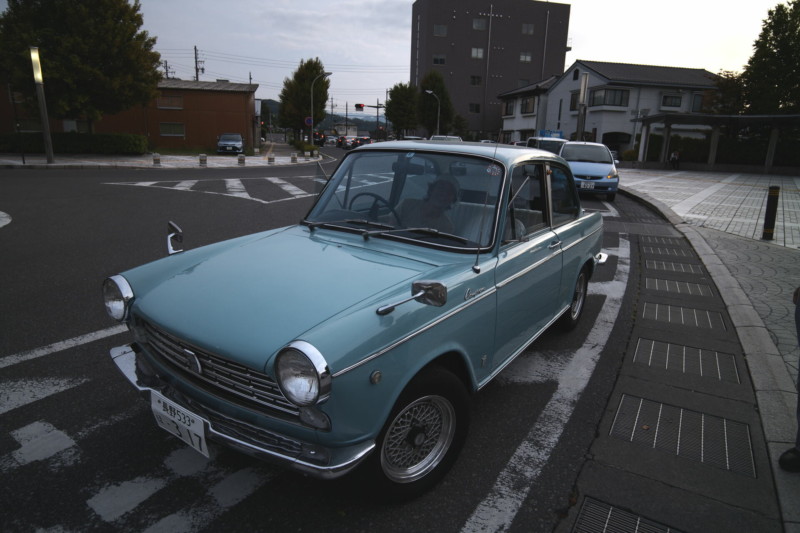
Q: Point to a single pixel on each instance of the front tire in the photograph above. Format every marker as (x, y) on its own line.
(422, 436)
(570, 319)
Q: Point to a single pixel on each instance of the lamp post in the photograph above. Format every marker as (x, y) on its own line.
(39, 79)
(438, 108)
(323, 75)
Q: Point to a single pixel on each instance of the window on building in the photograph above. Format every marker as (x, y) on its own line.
(523, 82)
(475, 81)
(525, 57)
(477, 53)
(479, 24)
(474, 108)
(172, 129)
(439, 59)
(527, 29)
(527, 105)
(576, 74)
(611, 97)
(169, 102)
(440, 30)
(508, 108)
(573, 101)
(697, 103)
(671, 100)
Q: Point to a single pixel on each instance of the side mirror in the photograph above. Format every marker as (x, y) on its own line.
(429, 292)
(174, 235)
(425, 292)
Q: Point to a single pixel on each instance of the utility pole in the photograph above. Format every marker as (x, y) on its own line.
(198, 66)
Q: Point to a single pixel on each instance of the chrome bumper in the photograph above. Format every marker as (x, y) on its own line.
(330, 463)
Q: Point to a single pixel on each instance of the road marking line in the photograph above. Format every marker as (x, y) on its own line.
(21, 392)
(497, 511)
(61, 345)
(235, 187)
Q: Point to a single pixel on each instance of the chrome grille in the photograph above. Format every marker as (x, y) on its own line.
(217, 375)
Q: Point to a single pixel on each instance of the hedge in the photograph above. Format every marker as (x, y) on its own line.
(76, 143)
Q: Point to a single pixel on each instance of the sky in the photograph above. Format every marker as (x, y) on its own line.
(366, 43)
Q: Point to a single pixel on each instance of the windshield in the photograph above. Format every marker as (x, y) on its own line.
(230, 138)
(551, 146)
(586, 153)
(432, 198)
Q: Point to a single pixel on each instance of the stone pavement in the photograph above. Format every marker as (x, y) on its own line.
(722, 215)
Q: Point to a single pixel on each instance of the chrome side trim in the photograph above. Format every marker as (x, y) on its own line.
(439, 320)
(583, 238)
(501, 284)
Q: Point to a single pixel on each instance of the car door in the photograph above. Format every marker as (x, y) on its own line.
(528, 274)
(569, 232)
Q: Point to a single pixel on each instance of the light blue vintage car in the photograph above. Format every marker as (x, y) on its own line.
(356, 337)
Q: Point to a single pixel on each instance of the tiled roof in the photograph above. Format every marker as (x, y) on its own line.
(651, 74)
(535, 88)
(219, 85)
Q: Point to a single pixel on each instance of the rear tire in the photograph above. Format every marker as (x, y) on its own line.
(422, 436)
(570, 319)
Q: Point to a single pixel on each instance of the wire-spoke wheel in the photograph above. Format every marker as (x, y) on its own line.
(422, 436)
(571, 318)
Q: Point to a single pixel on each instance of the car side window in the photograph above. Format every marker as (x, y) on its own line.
(527, 210)
(566, 204)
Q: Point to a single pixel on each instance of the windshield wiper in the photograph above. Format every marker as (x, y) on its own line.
(361, 221)
(428, 231)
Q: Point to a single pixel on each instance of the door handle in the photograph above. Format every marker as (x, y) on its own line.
(554, 244)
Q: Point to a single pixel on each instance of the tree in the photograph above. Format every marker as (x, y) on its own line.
(295, 96)
(401, 107)
(95, 59)
(428, 107)
(728, 99)
(772, 75)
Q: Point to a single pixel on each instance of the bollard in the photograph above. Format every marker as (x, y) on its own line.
(203, 160)
(241, 160)
(315, 154)
(772, 211)
(308, 155)
(294, 157)
(156, 160)
(271, 160)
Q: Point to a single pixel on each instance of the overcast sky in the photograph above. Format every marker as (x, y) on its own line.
(366, 43)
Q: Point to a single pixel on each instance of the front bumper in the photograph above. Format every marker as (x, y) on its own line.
(309, 458)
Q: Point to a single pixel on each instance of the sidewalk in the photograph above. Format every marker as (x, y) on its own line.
(272, 155)
(722, 217)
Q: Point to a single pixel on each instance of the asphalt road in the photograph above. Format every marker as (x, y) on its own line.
(80, 451)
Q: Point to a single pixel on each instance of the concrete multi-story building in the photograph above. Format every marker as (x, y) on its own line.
(483, 48)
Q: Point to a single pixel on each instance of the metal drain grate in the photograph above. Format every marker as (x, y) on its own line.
(684, 268)
(679, 287)
(704, 438)
(664, 241)
(676, 252)
(686, 359)
(686, 316)
(596, 516)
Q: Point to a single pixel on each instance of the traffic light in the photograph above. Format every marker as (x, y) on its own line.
(359, 107)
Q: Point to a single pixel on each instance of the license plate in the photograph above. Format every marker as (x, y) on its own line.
(184, 424)
(587, 185)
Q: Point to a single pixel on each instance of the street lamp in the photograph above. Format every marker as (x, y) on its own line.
(438, 108)
(39, 79)
(323, 75)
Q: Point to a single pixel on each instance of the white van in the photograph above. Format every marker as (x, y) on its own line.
(551, 144)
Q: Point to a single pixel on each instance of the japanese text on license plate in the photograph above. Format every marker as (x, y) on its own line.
(184, 424)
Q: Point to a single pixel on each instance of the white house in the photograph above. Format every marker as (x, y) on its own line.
(616, 94)
(525, 112)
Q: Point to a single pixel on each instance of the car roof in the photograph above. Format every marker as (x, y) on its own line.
(504, 153)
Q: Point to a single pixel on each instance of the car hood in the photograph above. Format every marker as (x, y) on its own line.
(580, 168)
(246, 299)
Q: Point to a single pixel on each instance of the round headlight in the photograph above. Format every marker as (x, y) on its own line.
(117, 295)
(303, 374)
